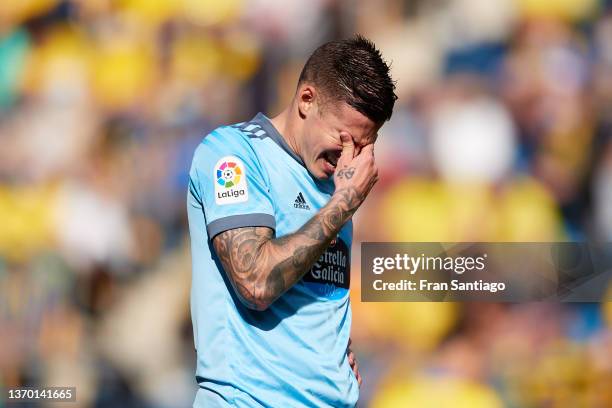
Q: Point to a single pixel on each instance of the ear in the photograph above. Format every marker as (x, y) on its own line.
(306, 96)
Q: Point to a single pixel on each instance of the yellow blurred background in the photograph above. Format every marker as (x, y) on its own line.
(502, 132)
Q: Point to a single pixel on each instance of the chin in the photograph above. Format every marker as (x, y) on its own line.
(320, 174)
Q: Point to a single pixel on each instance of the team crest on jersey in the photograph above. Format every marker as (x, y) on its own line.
(230, 181)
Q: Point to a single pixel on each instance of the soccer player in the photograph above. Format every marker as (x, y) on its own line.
(270, 203)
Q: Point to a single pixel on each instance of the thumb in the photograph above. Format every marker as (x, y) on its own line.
(348, 148)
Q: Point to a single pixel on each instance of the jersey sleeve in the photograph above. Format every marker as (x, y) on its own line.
(230, 183)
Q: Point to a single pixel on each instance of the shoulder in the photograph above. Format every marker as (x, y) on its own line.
(225, 141)
(229, 146)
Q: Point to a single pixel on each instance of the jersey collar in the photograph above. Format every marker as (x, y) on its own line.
(263, 121)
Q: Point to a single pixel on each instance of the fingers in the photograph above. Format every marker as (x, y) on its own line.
(367, 150)
(355, 171)
(348, 147)
(354, 366)
(353, 363)
(366, 158)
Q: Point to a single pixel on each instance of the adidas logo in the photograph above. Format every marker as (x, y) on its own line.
(300, 202)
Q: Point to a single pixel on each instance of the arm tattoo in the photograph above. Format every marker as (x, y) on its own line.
(262, 268)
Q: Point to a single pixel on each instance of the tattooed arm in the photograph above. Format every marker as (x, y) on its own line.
(262, 267)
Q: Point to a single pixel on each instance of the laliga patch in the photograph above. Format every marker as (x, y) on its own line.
(230, 181)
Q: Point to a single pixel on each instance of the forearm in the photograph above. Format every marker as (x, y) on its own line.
(263, 268)
(290, 257)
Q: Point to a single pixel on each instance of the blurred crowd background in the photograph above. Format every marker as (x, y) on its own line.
(502, 132)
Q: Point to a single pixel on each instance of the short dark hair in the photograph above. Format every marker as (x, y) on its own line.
(352, 71)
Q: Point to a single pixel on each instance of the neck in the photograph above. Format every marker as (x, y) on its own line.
(289, 128)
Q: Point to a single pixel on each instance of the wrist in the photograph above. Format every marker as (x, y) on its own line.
(347, 201)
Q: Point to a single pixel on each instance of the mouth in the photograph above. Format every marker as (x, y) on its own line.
(331, 158)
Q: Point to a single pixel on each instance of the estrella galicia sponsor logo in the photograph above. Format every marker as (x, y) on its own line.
(231, 183)
(330, 276)
(300, 202)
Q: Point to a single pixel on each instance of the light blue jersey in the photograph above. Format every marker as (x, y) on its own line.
(294, 353)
